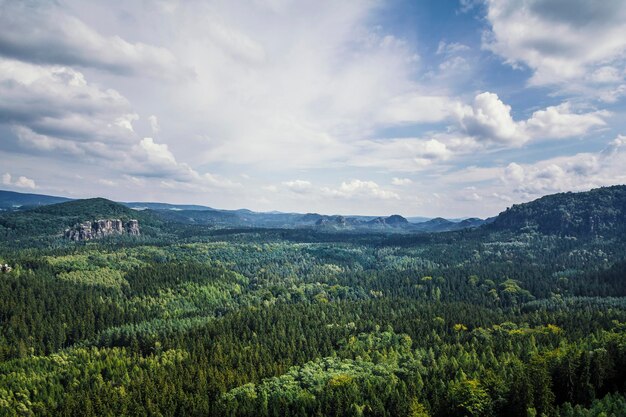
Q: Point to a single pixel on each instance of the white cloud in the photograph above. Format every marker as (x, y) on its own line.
(561, 41)
(401, 154)
(58, 102)
(517, 182)
(157, 154)
(151, 159)
(559, 122)
(606, 74)
(308, 93)
(578, 172)
(24, 182)
(445, 48)
(453, 65)
(107, 183)
(126, 121)
(415, 108)
(514, 173)
(154, 124)
(20, 182)
(43, 33)
(360, 189)
(298, 186)
(490, 120)
(401, 181)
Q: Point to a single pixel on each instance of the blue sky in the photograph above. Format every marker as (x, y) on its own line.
(442, 108)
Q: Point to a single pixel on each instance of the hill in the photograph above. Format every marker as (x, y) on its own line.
(11, 200)
(54, 219)
(87, 209)
(599, 212)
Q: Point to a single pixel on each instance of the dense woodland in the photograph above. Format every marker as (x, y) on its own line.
(522, 317)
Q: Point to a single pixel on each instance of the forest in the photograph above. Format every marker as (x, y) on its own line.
(523, 316)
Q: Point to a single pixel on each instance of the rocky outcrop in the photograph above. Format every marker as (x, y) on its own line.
(102, 228)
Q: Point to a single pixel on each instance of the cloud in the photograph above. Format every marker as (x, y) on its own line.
(308, 93)
(157, 154)
(490, 120)
(517, 182)
(445, 48)
(58, 102)
(126, 121)
(107, 183)
(354, 189)
(360, 189)
(559, 122)
(55, 110)
(20, 182)
(155, 160)
(415, 108)
(578, 172)
(453, 65)
(298, 186)
(401, 181)
(560, 41)
(154, 124)
(401, 154)
(43, 33)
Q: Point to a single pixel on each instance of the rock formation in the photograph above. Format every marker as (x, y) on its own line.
(102, 228)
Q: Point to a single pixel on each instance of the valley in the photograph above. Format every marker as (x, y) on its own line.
(523, 315)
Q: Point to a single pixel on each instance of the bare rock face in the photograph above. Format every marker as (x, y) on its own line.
(102, 228)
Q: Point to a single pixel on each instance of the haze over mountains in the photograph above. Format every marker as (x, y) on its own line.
(599, 211)
(198, 214)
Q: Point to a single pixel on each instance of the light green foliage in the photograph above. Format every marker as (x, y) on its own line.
(104, 277)
(470, 399)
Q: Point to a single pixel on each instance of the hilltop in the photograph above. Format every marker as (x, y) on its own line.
(599, 212)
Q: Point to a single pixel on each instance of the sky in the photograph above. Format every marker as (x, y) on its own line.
(429, 108)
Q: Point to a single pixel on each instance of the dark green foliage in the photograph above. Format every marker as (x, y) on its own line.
(600, 212)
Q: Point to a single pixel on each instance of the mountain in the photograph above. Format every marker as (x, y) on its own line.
(394, 220)
(11, 200)
(54, 219)
(599, 212)
(86, 209)
(337, 222)
(202, 215)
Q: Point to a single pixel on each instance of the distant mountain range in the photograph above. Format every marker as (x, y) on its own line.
(599, 212)
(198, 214)
(10, 200)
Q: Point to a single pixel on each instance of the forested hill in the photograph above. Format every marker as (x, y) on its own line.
(87, 209)
(599, 212)
(53, 219)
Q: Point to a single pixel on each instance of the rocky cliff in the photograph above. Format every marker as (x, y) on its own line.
(102, 228)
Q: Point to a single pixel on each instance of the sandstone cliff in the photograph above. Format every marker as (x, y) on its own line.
(102, 228)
